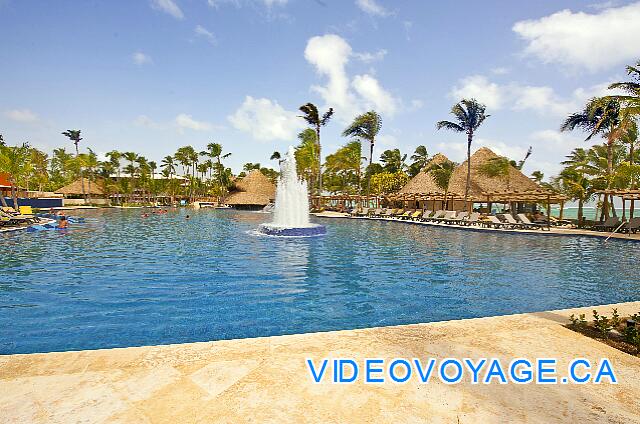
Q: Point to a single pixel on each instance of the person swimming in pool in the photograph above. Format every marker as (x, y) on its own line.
(63, 223)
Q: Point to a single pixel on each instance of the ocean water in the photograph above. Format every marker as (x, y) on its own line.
(122, 280)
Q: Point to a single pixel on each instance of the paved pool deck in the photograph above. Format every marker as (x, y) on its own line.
(266, 380)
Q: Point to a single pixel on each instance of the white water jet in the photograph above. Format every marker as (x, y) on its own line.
(292, 204)
(291, 211)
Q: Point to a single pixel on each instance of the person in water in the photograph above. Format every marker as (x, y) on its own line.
(187, 217)
(63, 222)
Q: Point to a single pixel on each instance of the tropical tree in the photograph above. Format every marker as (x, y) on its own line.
(14, 161)
(441, 172)
(630, 101)
(420, 158)
(168, 170)
(600, 116)
(313, 118)
(342, 172)
(499, 167)
(393, 160)
(537, 176)
(388, 182)
(306, 153)
(365, 127)
(469, 116)
(74, 136)
(275, 156)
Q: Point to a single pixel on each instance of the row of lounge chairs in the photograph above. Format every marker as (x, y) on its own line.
(9, 217)
(615, 224)
(453, 218)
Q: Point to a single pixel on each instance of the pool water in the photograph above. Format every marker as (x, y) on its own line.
(122, 280)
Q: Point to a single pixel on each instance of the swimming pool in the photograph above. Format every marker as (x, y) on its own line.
(122, 280)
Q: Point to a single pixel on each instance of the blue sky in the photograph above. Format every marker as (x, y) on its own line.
(153, 75)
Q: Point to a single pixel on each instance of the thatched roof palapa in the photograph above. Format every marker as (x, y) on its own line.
(423, 182)
(254, 189)
(75, 188)
(482, 186)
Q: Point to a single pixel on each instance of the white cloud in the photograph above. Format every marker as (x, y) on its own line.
(21, 115)
(583, 40)
(408, 26)
(206, 34)
(140, 58)
(372, 7)
(186, 121)
(330, 55)
(500, 71)
(480, 88)
(541, 99)
(146, 122)
(266, 120)
(169, 7)
(270, 3)
(368, 57)
(374, 96)
(416, 104)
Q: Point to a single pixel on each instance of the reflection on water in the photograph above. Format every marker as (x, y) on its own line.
(123, 280)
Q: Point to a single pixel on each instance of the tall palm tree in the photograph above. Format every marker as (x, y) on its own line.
(14, 161)
(469, 116)
(132, 157)
(168, 167)
(537, 176)
(365, 127)
(74, 136)
(630, 136)
(313, 118)
(600, 116)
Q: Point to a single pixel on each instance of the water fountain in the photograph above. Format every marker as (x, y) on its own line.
(291, 211)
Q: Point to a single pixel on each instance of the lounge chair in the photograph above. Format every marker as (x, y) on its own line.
(436, 215)
(425, 215)
(406, 215)
(494, 222)
(472, 219)
(13, 219)
(375, 212)
(632, 226)
(525, 220)
(515, 224)
(448, 215)
(397, 213)
(609, 224)
(12, 212)
(415, 215)
(354, 212)
(387, 213)
(458, 218)
(363, 212)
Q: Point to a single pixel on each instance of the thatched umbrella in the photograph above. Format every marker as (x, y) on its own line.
(481, 184)
(76, 188)
(252, 192)
(424, 182)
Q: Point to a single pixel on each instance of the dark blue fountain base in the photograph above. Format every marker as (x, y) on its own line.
(311, 231)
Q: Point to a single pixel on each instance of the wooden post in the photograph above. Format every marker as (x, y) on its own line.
(548, 211)
(561, 209)
(624, 211)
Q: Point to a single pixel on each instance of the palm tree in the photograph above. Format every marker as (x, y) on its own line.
(537, 176)
(74, 136)
(131, 170)
(599, 116)
(169, 168)
(90, 163)
(420, 158)
(393, 160)
(469, 116)
(441, 173)
(366, 127)
(313, 118)
(275, 156)
(631, 101)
